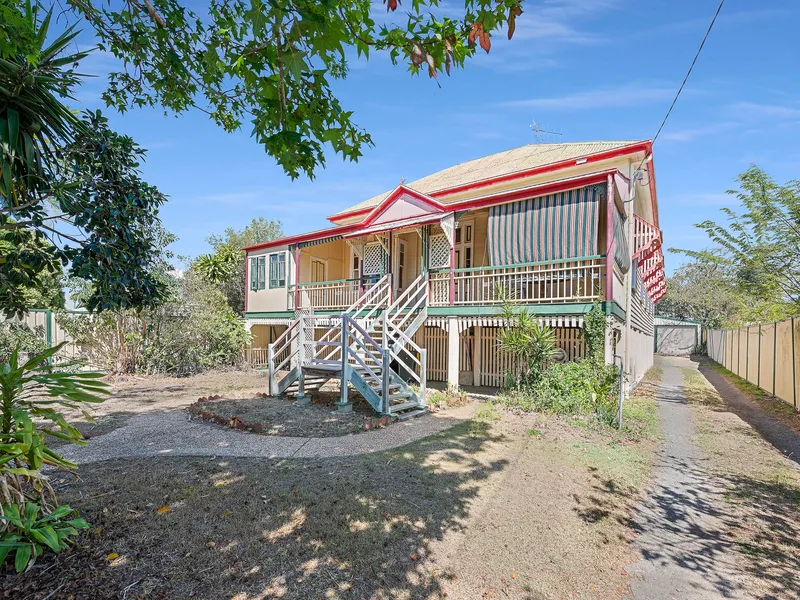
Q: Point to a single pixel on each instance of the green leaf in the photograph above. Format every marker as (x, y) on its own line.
(23, 557)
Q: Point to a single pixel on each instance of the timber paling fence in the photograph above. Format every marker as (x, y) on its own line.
(767, 355)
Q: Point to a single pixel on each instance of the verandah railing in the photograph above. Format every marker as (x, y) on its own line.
(326, 295)
(570, 280)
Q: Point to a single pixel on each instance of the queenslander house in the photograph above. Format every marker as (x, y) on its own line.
(405, 288)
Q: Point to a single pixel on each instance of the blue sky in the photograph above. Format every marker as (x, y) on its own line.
(596, 69)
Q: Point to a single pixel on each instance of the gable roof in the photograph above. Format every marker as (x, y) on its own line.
(501, 164)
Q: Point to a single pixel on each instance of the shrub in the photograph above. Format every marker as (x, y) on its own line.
(195, 331)
(30, 518)
(27, 340)
(582, 387)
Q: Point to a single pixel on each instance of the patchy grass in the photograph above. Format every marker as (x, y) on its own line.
(453, 515)
(447, 398)
(781, 409)
(763, 489)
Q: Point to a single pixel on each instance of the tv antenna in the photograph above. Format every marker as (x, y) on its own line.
(542, 133)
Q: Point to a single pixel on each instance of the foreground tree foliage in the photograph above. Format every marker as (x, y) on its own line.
(273, 64)
(70, 187)
(752, 273)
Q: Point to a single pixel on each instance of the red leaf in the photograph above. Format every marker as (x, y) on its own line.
(512, 20)
(475, 30)
(486, 43)
(391, 5)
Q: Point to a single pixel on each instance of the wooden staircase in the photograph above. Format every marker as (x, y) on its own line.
(368, 347)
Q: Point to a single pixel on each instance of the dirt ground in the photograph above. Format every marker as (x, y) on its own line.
(283, 417)
(502, 506)
(763, 485)
(132, 395)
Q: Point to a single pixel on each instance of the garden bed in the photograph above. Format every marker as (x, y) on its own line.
(261, 414)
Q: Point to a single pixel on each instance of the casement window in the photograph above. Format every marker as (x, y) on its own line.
(277, 270)
(257, 272)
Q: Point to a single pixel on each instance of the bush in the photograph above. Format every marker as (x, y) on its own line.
(31, 392)
(195, 331)
(25, 339)
(582, 387)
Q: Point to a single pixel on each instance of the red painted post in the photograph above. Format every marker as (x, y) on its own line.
(391, 270)
(610, 242)
(296, 276)
(452, 271)
(246, 279)
(361, 287)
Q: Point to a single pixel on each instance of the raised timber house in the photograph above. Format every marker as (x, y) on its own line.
(405, 288)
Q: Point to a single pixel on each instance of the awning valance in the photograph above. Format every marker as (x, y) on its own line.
(553, 227)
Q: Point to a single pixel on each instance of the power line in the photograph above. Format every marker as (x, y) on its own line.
(688, 73)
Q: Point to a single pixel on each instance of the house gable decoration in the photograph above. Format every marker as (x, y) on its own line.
(403, 204)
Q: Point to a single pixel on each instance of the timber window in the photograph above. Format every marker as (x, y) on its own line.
(257, 272)
(277, 270)
(317, 270)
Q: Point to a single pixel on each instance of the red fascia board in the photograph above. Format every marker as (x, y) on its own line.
(396, 193)
(645, 146)
(533, 191)
(542, 189)
(303, 237)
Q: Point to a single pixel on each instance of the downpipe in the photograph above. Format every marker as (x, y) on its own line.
(621, 389)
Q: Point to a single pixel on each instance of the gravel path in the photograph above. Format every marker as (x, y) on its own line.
(172, 433)
(683, 543)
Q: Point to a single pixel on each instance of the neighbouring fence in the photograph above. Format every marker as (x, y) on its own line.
(767, 356)
(44, 324)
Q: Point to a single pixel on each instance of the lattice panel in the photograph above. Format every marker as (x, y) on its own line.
(306, 315)
(374, 258)
(439, 252)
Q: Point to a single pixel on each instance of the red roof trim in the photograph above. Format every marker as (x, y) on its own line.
(378, 210)
(304, 237)
(542, 189)
(645, 146)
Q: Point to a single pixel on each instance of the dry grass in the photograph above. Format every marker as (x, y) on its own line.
(484, 510)
(763, 492)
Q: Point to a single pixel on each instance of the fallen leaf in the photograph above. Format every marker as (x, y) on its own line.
(513, 576)
(112, 556)
(162, 510)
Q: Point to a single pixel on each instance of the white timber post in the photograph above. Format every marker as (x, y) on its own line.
(476, 356)
(452, 352)
(271, 363)
(344, 402)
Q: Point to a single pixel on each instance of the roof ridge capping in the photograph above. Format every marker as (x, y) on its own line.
(507, 164)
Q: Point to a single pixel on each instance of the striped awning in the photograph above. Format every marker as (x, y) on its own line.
(552, 227)
(324, 240)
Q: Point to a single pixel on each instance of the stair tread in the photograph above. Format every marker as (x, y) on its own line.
(404, 406)
(412, 413)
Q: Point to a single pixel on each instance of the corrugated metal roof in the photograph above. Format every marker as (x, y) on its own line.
(501, 163)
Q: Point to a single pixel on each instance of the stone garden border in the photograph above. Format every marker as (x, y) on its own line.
(198, 409)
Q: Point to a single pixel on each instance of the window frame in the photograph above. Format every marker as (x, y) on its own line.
(279, 283)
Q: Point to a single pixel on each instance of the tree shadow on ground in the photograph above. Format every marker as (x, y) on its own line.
(769, 426)
(355, 527)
